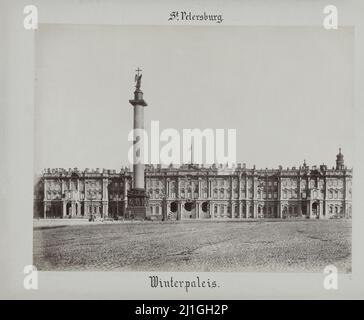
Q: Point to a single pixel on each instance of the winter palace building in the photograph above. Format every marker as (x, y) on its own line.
(197, 192)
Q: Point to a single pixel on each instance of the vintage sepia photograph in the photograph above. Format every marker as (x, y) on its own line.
(193, 148)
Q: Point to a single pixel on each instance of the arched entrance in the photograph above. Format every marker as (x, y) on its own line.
(284, 212)
(205, 208)
(260, 211)
(189, 210)
(188, 206)
(174, 207)
(316, 209)
(69, 209)
(172, 212)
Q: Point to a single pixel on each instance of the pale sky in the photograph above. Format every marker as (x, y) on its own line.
(288, 91)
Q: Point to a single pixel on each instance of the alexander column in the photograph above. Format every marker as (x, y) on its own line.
(138, 200)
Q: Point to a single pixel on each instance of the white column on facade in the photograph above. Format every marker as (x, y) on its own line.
(64, 208)
(280, 197)
(85, 207)
(73, 209)
(308, 194)
(210, 188)
(167, 188)
(44, 199)
(254, 197)
(44, 190)
(299, 193)
(104, 190)
(105, 207)
(62, 187)
(199, 189)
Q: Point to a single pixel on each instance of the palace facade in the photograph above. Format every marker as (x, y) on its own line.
(198, 192)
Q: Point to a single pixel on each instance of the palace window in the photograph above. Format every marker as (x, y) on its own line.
(275, 195)
(269, 196)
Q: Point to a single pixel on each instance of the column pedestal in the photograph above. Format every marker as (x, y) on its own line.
(138, 205)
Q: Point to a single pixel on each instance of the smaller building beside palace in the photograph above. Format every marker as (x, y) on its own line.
(193, 191)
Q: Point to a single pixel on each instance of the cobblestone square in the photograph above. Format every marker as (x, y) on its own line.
(250, 245)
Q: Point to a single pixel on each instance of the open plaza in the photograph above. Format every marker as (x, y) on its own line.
(195, 246)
